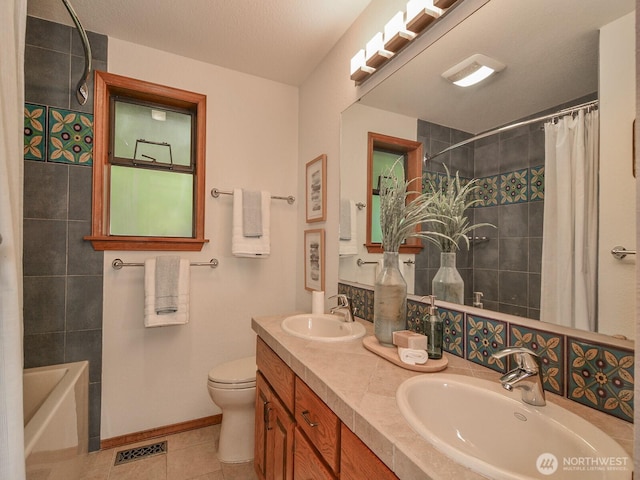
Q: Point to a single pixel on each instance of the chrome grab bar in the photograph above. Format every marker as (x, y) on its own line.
(620, 252)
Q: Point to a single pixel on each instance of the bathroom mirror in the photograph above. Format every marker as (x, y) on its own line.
(583, 50)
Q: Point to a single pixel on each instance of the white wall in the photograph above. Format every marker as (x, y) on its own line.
(157, 377)
(323, 97)
(616, 297)
(357, 121)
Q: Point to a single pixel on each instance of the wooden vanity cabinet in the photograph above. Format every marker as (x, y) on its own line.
(313, 444)
(357, 461)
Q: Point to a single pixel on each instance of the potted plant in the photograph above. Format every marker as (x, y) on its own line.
(401, 211)
(450, 204)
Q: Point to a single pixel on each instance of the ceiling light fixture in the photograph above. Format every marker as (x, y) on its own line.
(421, 13)
(473, 70)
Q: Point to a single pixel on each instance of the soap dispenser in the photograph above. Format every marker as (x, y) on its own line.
(433, 330)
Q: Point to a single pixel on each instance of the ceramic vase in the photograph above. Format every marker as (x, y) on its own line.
(389, 300)
(447, 284)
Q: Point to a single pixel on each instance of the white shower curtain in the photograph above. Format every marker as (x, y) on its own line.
(13, 15)
(569, 246)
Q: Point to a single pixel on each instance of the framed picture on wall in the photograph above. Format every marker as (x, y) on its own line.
(316, 182)
(314, 259)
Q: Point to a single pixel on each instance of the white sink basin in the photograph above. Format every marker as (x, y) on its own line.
(322, 327)
(482, 426)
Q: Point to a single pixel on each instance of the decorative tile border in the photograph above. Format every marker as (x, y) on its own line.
(514, 187)
(70, 137)
(599, 376)
(550, 349)
(35, 123)
(524, 185)
(484, 338)
(56, 135)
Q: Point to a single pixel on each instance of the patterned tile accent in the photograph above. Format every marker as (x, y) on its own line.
(415, 315)
(35, 121)
(484, 337)
(429, 181)
(453, 331)
(595, 375)
(70, 137)
(536, 181)
(601, 378)
(487, 191)
(550, 348)
(514, 187)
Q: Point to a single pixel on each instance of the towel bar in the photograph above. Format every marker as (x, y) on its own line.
(215, 193)
(361, 262)
(117, 264)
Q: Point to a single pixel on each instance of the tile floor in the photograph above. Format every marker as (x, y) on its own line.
(190, 456)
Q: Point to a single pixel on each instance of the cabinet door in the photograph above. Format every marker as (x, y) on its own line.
(263, 395)
(358, 462)
(307, 464)
(280, 432)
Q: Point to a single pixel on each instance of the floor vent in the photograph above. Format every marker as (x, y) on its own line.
(137, 453)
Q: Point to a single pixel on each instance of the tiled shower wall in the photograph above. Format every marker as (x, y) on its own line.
(62, 272)
(506, 267)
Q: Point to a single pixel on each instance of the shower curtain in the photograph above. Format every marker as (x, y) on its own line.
(13, 15)
(569, 245)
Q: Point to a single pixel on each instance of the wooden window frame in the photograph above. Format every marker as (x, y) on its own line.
(413, 169)
(106, 86)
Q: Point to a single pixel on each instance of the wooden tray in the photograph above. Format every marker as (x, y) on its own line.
(371, 343)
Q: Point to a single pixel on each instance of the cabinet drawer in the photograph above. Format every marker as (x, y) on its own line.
(306, 464)
(276, 372)
(358, 462)
(319, 423)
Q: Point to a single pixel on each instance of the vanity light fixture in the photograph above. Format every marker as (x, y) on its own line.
(473, 70)
(421, 13)
(396, 35)
(359, 69)
(375, 53)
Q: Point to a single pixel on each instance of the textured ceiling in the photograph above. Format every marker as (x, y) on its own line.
(282, 40)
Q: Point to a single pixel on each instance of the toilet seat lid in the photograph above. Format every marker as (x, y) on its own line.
(242, 370)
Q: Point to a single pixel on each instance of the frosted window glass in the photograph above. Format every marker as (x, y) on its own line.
(147, 203)
(381, 162)
(135, 122)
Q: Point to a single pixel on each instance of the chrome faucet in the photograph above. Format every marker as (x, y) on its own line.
(526, 376)
(344, 308)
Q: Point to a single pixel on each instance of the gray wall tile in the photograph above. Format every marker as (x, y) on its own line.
(46, 77)
(43, 349)
(45, 247)
(84, 303)
(44, 304)
(45, 190)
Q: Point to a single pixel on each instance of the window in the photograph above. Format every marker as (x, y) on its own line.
(149, 166)
(382, 152)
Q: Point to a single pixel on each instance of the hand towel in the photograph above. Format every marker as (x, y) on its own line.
(251, 213)
(166, 284)
(181, 316)
(252, 247)
(348, 246)
(412, 356)
(345, 219)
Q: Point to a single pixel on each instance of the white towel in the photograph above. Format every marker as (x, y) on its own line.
(253, 247)
(350, 246)
(412, 356)
(167, 276)
(151, 318)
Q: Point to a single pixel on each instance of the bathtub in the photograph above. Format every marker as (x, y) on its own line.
(56, 420)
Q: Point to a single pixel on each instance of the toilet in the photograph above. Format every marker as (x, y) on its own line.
(232, 386)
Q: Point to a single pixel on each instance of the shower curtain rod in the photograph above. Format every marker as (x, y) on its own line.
(564, 111)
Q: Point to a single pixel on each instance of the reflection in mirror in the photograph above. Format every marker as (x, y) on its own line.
(581, 52)
(382, 153)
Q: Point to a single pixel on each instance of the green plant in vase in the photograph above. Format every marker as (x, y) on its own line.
(450, 204)
(402, 211)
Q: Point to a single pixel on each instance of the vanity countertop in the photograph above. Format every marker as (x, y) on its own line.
(360, 387)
